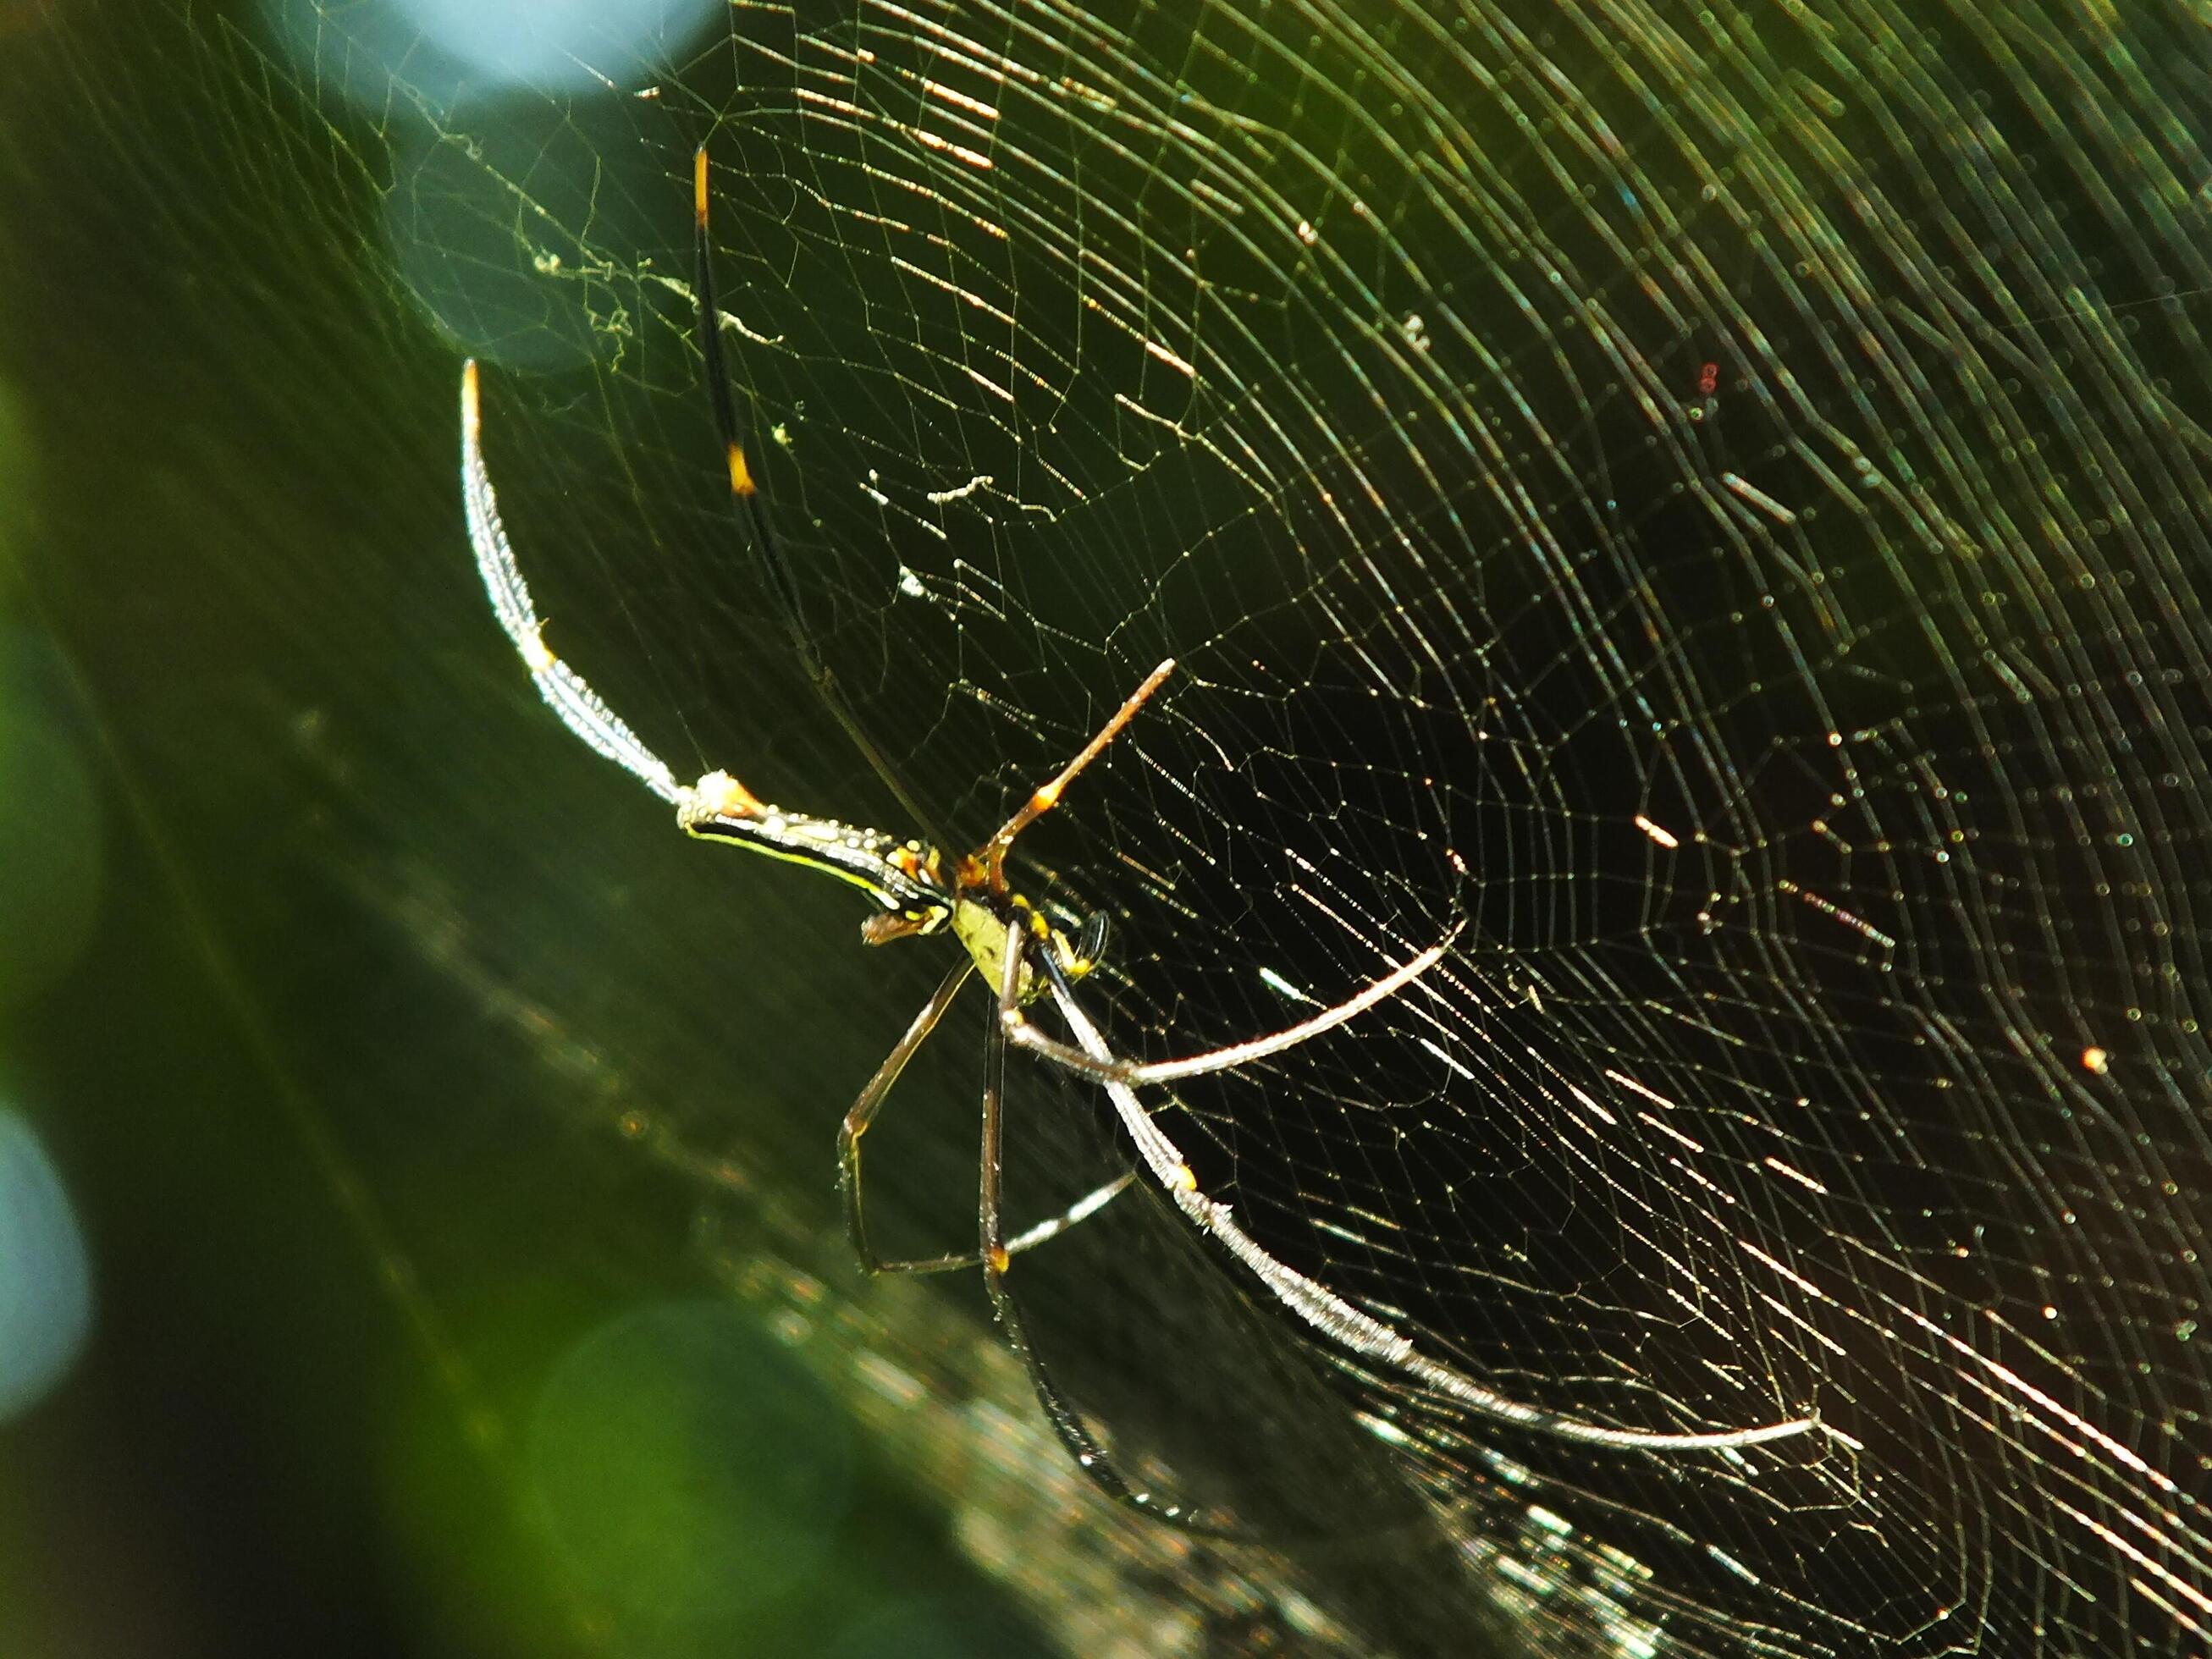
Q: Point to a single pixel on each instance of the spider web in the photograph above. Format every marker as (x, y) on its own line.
(1711, 499)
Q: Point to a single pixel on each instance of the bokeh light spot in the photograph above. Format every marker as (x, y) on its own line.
(687, 1467)
(552, 43)
(441, 49)
(45, 1278)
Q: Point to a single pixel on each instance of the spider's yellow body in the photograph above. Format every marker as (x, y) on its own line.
(918, 888)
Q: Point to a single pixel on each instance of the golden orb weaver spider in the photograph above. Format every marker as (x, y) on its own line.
(918, 889)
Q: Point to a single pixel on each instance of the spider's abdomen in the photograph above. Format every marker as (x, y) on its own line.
(902, 875)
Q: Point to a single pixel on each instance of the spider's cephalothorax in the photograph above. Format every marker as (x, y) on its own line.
(921, 891)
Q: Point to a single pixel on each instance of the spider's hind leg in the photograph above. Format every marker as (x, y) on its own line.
(1066, 1419)
(863, 1113)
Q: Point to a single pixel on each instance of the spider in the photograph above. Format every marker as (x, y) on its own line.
(917, 889)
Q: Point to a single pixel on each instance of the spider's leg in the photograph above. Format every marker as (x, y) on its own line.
(863, 1113)
(1358, 1332)
(1082, 1210)
(1043, 1233)
(753, 513)
(745, 492)
(871, 1101)
(1060, 1411)
(1110, 1070)
(579, 708)
(992, 856)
